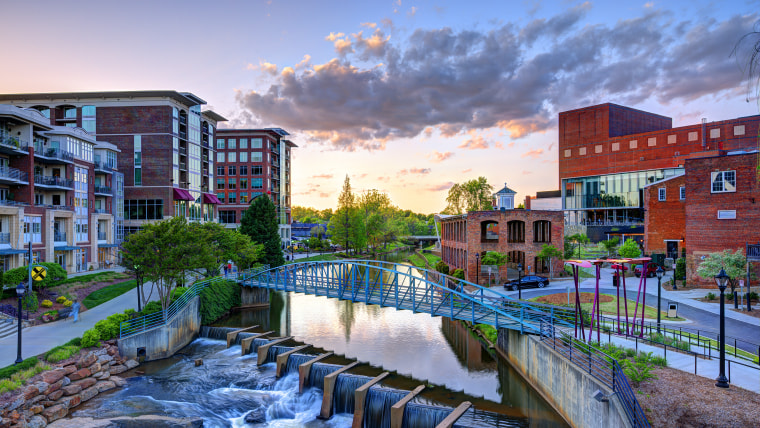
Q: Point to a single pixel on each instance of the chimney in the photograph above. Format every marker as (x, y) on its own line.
(704, 137)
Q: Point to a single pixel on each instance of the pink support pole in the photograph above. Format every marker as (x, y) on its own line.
(642, 281)
(643, 306)
(617, 290)
(594, 308)
(575, 281)
(625, 304)
(578, 309)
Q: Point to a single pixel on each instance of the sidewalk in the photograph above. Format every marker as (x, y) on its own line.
(41, 338)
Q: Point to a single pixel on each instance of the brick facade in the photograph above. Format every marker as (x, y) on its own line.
(465, 235)
(664, 221)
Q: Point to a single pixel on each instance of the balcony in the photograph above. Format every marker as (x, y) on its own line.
(107, 168)
(59, 236)
(54, 156)
(9, 175)
(100, 211)
(53, 182)
(183, 166)
(183, 151)
(103, 190)
(5, 238)
(101, 236)
(205, 158)
(183, 120)
(8, 203)
(13, 145)
(183, 135)
(206, 144)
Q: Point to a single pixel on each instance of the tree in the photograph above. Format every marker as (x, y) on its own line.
(610, 244)
(630, 249)
(229, 244)
(472, 195)
(549, 252)
(735, 265)
(748, 50)
(259, 222)
(580, 239)
(494, 258)
(344, 224)
(375, 208)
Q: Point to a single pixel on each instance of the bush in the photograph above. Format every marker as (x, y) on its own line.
(177, 293)
(7, 372)
(729, 296)
(458, 273)
(30, 302)
(61, 299)
(151, 308)
(442, 267)
(680, 271)
(710, 296)
(60, 353)
(67, 303)
(217, 299)
(90, 338)
(46, 303)
(55, 275)
(106, 329)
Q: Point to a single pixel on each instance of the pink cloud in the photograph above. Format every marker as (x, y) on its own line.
(533, 153)
(440, 187)
(437, 157)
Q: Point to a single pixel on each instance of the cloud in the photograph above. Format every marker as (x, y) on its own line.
(264, 66)
(414, 171)
(465, 171)
(325, 176)
(535, 153)
(412, 11)
(440, 187)
(384, 178)
(527, 172)
(438, 157)
(512, 76)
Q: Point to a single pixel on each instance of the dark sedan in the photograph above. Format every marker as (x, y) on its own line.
(529, 281)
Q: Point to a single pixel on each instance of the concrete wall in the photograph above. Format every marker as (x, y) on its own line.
(254, 296)
(163, 341)
(564, 385)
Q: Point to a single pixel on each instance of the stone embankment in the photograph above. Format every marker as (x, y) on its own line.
(50, 395)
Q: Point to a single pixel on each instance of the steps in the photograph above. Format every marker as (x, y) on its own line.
(8, 326)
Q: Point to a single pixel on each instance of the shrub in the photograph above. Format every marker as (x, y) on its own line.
(442, 267)
(90, 338)
(61, 299)
(177, 293)
(30, 302)
(46, 303)
(151, 308)
(729, 296)
(7, 372)
(458, 273)
(130, 313)
(21, 376)
(217, 299)
(710, 296)
(753, 295)
(680, 271)
(67, 303)
(106, 329)
(60, 353)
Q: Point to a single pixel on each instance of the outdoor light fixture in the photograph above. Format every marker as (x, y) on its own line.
(659, 273)
(519, 280)
(477, 268)
(20, 291)
(721, 279)
(599, 396)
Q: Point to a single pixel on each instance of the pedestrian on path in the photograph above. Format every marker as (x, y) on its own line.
(75, 310)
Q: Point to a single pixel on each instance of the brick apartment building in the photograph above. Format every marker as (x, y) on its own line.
(714, 205)
(252, 163)
(165, 139)
(608, 153)
(519, 233)
(59, 190)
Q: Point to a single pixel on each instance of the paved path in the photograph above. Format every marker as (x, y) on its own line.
(41, 338)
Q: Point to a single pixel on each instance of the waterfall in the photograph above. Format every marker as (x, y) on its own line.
(418, 415)
(241, 336)
(295, 360)
(258, 342)
(274, 351)
(343, 394)
(318, 373)
(475, 418)
(377, 406)
(218, 333)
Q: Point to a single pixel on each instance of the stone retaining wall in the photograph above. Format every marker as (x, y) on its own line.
(52, 394)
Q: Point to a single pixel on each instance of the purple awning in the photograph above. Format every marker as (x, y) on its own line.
(210, 198)
(182, 195)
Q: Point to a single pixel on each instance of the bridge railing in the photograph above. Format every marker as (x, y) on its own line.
(600, 366)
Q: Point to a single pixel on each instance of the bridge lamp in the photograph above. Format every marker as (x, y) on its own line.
(721, 279)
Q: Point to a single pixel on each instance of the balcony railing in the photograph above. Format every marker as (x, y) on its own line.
(183, 120)
(59, 236)
(13, 142)
(100, 211)
(44, 180)
(183, 135)
(13, 174)
(7, 203)
(104, 166)
(5, 238)
(103, 190)
(206, 144)
(183, 150)
(101, 236)
(56, 154)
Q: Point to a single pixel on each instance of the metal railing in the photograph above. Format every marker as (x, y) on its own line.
(13, 174)
(59, 236)
(103, 166)
(47, 180)
(103, 189)
(100, 211)
(599, 365)
(101, 236)
(13, 142)
(5, 238)
(57, 154)
(13, 312)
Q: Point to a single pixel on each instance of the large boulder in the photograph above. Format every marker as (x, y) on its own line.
(56, 412)
(127, 422)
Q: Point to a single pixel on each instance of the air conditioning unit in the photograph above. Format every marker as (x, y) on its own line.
(641, 158)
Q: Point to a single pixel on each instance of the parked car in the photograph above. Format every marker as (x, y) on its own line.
(651, 270)
(528, 281)
(619, 266)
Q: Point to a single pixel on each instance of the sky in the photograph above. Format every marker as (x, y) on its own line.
(406, 97)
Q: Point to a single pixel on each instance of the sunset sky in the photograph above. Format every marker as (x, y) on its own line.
(407, 97)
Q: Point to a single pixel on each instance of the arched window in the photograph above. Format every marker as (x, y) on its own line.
(516, 231)
(516, 257)
(542, 231)
(489, 231)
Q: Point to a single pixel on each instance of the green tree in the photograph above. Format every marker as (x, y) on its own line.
(630, 249)
(580, 239)
(345, 223)
(549, 252)
(228, 244)
(735, 265)
(375, 208)
(494, 258)
(259, 222)
(472, 195)
(610, 244)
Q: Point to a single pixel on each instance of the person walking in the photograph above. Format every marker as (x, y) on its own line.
(75, 309)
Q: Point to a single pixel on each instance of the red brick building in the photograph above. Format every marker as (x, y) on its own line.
(608, 153)
(519, 233)
(714, 206)
(251, 163)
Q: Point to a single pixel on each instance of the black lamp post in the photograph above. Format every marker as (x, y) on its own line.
(477, 268)
(721, 278)
(20, 291)
(519, 281)
(660, 273)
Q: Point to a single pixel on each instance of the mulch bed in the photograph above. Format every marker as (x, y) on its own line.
(561, 298)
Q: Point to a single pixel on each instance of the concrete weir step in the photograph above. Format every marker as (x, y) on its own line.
(264, 349)
(231, 336)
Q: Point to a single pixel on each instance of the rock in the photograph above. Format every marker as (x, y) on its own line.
(88, 393)
(198, 362)
(117, 369)
(36, 400)
(30, 391)
(37, 421)
(130, 364)
(94, 368)
(71, 368)
(105, 385)
(256, 416)
(85, 383)
(72, 389)
(152, 421)
(15, 404)
(113, 351)
(54, 412)
(53, 376)
(103, 359)
(56, 386)
(66, 381)
(87, 360)
(118, 381)
(102, 375)
(36, 409)
(55, 395)
(5, 422)
(42, 386)
(70, 402)
(80, 374)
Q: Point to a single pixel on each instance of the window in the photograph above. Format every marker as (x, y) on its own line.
(256, 157)
(219, 143)
(220, 196)
(88, 119)
(652, 141)
(138, 160)
(243, 143)
(243, 170)
(220, 170)
(257, 170)
(231, 156)
(219, 183)
(231, 143)
(582, 151)
(32, 229)
(231, 198)
(220, 156)
(568, 152)
(243, 197)
(243, 156)
(515, 231)
(243, 183)
(739, 130)
(723, 181)
(542, 231)
(227, 217)
(682, 192)
(231, 169)
(715, 133)
(143, 209)
(257, 183)
(256, 143)
(661, 194)
(231, 183)
(138, 177)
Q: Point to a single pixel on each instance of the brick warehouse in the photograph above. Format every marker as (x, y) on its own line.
(519, 233)
(608, 153)
(714, 205)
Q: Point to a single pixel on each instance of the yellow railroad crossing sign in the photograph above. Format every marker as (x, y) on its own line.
(39, 273)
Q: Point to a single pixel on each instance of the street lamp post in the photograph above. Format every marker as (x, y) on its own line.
(477, 268)
(519, 280)
(720, 279)
(20, 291)
(660, 273)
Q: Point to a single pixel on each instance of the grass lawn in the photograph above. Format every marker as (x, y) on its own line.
(431, 258)
(581, 272)
(105, 294)
(608, 305)
(94, 277)
(318, 258)
(416, 261)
